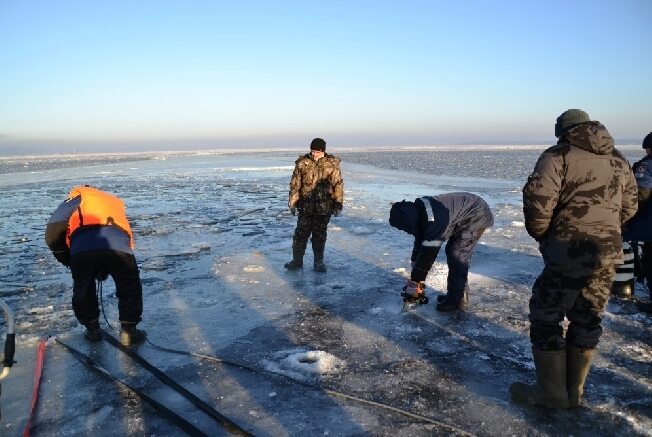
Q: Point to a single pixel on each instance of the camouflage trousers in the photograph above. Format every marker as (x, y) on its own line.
(310, 224)
(579, 292)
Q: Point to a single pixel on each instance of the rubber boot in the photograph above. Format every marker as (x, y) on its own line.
(550, 388)
(319, 259)
(297, 259)
(465, 298)
(624, 289)
(578, 363)
(130, 335)
(93, 332)
(646, 307)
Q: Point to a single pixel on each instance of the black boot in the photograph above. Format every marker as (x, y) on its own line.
(465, 298)
(130, 335)
(319, 259)
(93, 332)
(623, 289)
(297, 259)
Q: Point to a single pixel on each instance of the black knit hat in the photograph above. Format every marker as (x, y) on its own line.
(647, 141)
(318, 144)
(569, 119)
(404, 215)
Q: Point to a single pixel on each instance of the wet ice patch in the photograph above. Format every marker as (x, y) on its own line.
(361, 230)
(302, 364)
(447, 345)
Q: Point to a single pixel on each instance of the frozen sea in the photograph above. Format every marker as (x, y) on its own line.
(212, 233)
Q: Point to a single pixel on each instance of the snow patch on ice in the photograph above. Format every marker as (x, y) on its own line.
(518, 224)
(302, 364)
(252, 268)
(41, 310)
(376, 310)
(407, 329)
(636, 352)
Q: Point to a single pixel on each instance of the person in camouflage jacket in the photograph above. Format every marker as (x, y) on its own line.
(580, 193)
(316, 191)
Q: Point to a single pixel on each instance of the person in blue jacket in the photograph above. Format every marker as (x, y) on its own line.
(459, 218)
(639, 228)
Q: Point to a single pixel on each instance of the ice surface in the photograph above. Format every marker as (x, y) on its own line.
(212, 233)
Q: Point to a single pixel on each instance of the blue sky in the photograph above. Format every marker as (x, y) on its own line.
(175, 74)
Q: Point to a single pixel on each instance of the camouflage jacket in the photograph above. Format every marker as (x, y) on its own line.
(316, 187)
(581, 191)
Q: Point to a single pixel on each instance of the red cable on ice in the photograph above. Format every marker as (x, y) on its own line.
(40, 355)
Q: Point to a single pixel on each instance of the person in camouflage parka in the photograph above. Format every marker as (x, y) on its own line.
(581, 191)
(317, 191)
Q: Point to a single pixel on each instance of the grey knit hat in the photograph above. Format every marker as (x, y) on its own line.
(647, 141)
(568, 119)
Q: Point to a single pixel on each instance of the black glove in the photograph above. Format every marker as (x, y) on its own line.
(102, 275)
(63, 257)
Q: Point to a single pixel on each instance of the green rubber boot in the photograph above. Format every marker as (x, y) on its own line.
(550, 388)
(578, 363)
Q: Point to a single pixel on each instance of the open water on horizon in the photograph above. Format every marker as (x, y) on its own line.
(508, 163)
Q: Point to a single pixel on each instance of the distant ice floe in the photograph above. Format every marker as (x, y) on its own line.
(302, 364)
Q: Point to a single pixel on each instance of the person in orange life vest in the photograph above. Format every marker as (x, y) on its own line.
(90, 233)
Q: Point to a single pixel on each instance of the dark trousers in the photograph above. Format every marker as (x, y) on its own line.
(646, 264)
(579, 292)
(459, 249)
(87, 266)
(310, 224)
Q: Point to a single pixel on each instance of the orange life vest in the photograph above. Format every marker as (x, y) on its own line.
(98, 208)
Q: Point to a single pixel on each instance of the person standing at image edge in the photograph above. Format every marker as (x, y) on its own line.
(575, 201)
(317, 192)
(90, 233)
(639, 228)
